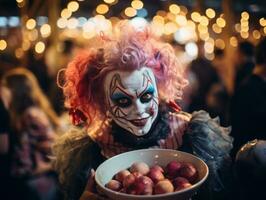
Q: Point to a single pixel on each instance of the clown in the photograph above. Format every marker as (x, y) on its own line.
(124, 91)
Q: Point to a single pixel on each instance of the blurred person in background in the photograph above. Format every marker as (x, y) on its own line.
(206, 90)
(37, 65)
(244, 60)
(31, 134)
(248, 111)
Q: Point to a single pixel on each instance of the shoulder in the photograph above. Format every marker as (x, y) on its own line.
(35, 113)
(212, 143)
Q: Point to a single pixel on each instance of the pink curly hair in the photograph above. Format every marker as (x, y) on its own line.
(126, 49)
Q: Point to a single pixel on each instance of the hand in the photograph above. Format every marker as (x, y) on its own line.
(90, 192)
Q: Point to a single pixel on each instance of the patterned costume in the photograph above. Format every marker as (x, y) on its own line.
(123, 92)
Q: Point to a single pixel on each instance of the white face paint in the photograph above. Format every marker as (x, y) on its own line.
(132, 99)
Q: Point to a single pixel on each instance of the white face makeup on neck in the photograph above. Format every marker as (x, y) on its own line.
(132, 99)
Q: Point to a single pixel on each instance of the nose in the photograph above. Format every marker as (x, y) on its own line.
(139, 107)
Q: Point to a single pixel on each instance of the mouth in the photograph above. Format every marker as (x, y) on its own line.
(139, 122)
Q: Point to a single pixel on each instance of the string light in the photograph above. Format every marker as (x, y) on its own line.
(256, 34)
(216, 28)
(181, 20)
(244, 35)
(3, 45)
(73, 6)
(262, 22)
(19, 53)
(39, 47)
(219, 43)
(65, 13)
(245, 15)
(33, 35)
(45, 30)
(220, 22)
(204, 21)
(195, 16)
(109, 1)
(130, 12)
(210, 13)
(233, 41)
(237, 27)
(137, 4)
(175, 9)
(72, 23)
(62, 22)
(102, 9)
(169, 28)
(30, 24)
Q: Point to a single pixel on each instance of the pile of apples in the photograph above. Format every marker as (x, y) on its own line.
(140, 179)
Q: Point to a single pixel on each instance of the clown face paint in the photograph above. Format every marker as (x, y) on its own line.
(132, 99)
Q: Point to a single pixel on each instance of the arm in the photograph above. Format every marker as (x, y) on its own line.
(211, 142)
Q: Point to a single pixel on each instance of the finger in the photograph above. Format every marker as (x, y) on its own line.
(91, 181)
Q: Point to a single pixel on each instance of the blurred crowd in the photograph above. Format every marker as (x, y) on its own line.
(33, 114)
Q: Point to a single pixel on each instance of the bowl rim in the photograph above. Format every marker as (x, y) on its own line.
(156, 195)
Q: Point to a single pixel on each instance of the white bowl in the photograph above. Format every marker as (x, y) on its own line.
(162, 157)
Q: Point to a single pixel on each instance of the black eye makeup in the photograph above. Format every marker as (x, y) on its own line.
(121, 100)
(148, 95)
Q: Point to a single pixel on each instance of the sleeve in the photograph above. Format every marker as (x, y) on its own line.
(40, 130)
(211, 143)
(75, 154)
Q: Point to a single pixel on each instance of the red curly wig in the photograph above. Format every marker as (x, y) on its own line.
(126, 49)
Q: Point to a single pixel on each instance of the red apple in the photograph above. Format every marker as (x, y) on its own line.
(120, 176)
(143, 185)
(140, 167)
(157, 167)
(114, 185)
(137, 174)
(173, 168)
(129, 180)
(189, 172)
(179, 181)
(182, 185)
(156, 175)
(164, 186)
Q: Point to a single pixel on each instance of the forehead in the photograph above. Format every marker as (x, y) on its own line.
(131, 79)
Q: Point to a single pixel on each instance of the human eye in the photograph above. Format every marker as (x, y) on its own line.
(146, 97)
(121, 100)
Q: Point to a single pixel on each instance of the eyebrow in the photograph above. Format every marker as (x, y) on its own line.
(118, 95)
(121, 94)
(149, 89)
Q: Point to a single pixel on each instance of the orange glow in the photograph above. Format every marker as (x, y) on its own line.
(102, 9)
(130, 12)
